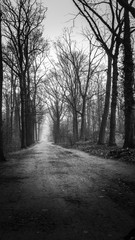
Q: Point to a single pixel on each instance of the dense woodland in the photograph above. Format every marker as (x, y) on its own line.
(86, 92)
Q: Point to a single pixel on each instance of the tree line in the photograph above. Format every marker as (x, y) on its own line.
(23, 52)
(87, 92)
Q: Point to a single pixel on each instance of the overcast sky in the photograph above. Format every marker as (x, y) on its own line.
(59, 15)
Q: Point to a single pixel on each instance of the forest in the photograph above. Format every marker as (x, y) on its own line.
(87, 93)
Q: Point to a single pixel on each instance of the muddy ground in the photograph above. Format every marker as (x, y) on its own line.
(51, 193)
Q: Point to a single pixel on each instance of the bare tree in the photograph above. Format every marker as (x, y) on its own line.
(23, 31)
(70, 61)
(105, 19)
(77, 69)
(85, 77)
(38, 74)
(55, 102)
(2, 158)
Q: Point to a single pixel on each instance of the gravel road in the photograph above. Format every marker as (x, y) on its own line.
(51, 193)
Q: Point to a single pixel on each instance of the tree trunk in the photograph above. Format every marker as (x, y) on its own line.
(12, 104)
(23, 118)
(99, 106)
(28, 114)
(88, 113)
(57, 131)
(35, 131)
(7, 120)
(129, 140)
(16, 122)
(102, 132)
(112, 140)
(2, 158)
(75, 126)
(82, 133)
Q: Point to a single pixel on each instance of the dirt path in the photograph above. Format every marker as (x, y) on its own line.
(51, 193)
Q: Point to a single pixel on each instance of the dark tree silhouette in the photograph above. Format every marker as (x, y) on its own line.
(2, 158)
(127, 6)
(128, 84)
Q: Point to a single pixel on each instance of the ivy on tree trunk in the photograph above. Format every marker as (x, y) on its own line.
(129, 140)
